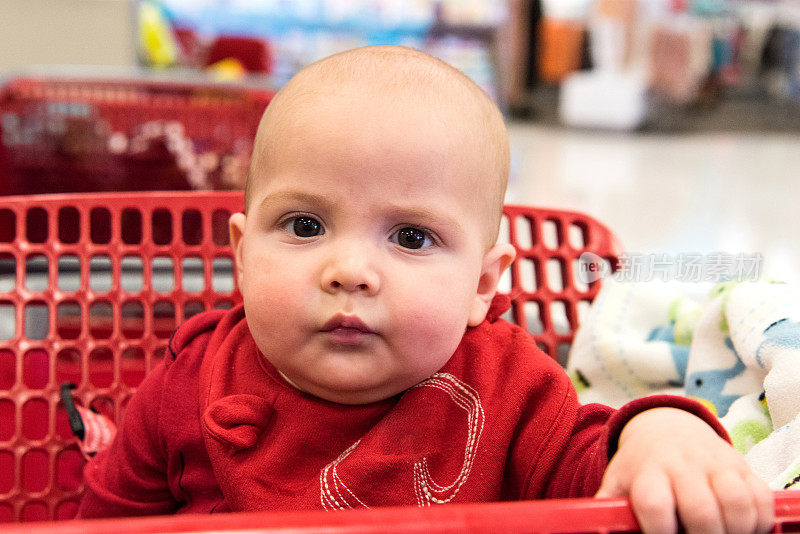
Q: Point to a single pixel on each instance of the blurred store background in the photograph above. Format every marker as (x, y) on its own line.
(676, 122)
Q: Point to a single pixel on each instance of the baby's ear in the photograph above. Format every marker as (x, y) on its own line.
(495, 262)
(236, 228)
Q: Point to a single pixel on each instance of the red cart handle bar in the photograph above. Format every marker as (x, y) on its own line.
(546, 516)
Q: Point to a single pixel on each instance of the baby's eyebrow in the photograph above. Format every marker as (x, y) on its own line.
(297, 196)
(425, 217)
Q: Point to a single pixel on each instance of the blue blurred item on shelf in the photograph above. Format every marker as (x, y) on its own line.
(792, 64)
(727, 49)
(709, 8)
(300, 32)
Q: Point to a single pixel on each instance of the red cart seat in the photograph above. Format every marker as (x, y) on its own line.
(94, 284)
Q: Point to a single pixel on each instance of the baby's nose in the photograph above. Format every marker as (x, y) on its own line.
(349, 286)
(351, 271)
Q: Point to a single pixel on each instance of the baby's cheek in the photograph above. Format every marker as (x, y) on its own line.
(271, 294)
(433, 324)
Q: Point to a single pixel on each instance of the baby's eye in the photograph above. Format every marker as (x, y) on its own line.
(413, 238)
(305, 226)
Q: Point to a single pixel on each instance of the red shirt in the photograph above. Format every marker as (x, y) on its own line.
(215, 428)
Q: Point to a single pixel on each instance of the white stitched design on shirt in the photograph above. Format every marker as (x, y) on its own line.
(335, 494)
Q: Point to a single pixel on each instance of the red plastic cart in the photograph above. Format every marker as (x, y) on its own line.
(60, 134)
(92, 286)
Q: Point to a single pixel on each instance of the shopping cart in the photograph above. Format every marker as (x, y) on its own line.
(67, 134)
(92, 286)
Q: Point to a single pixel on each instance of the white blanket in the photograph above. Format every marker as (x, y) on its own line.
(737, 349)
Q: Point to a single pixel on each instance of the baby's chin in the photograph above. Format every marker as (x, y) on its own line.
(346, 391)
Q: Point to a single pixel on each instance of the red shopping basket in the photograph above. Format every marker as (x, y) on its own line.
(92, 286)
(60, 135)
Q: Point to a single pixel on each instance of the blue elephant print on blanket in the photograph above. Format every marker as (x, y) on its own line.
(710, 384)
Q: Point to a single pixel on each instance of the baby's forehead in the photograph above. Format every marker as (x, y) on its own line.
(409, 86)
(418, 96)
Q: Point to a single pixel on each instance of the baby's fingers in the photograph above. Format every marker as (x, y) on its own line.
(736, 500)
(765, 502)
(697, 505)
(653, 503)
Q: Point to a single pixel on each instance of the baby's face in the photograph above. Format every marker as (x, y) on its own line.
(362, 250)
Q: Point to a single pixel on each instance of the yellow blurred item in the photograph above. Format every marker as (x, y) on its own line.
(156, 40)
(228, 69)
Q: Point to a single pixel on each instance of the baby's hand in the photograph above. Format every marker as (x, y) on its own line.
(670, 460)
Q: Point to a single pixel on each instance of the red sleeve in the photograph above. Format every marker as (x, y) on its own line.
(130, 477)
(584, 439)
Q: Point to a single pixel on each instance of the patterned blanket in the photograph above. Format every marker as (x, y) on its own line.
(735, 346)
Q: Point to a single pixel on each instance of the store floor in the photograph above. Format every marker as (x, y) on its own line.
(675, 194)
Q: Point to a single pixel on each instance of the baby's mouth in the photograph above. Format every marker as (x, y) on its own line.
(346, 329)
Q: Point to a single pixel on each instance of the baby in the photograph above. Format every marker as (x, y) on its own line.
(367, 365)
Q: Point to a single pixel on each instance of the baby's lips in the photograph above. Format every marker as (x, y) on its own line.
(341, 320)
(238, 420)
